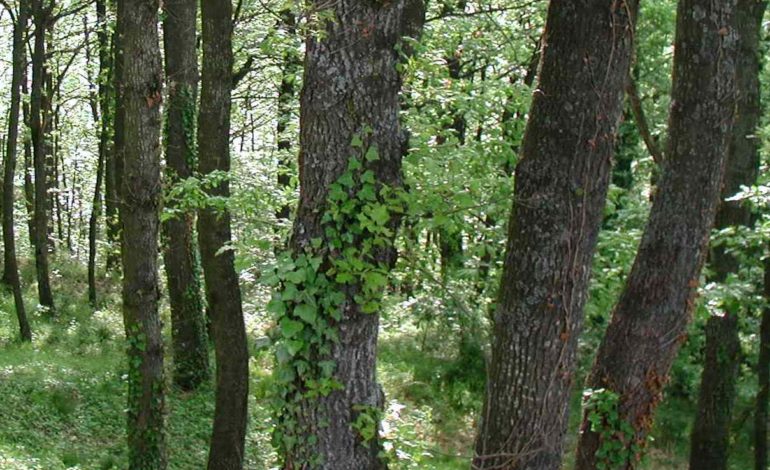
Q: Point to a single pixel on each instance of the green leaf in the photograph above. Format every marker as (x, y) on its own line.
(306, 312)
(291, 328)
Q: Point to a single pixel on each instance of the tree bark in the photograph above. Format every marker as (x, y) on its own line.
(188, 325)
(38, 126)
(650, 319)
(711, 431)
(222, 289)
(560, 191)
(141, 78)
(349, 107)
(11, 270)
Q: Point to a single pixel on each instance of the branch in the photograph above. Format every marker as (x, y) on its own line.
(241, 73)
(641, 121)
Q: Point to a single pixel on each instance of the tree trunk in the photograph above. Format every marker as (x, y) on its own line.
(114, 162)
(711, 431)
(102, 118)
(351, 147)
(188, 326)
(560, 191)
(286, 96)
(40, 15)
(222, 289)
(141, 79)
(763, 375)
(11, 271)
(651, 317)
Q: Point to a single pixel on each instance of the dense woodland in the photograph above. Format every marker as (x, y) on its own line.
(370, 234)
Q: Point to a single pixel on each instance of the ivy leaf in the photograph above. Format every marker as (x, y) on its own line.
(306, 312)
(291, 328)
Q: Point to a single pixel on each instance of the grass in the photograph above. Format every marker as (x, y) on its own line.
(63, 396)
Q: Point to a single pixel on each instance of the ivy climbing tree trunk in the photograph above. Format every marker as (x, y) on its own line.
(141, 78)
(222, 289)
(41, 16)
(560, 191)
(11, 267)
(649, 321)
(711, 431)
(351, 147)
(180, 251)
(286, 95)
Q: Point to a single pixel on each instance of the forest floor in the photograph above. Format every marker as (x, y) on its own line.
(62, 398)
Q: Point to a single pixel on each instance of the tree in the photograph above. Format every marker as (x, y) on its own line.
(39, 120)
(214, 233)
(649, 321)
(188, 328)
(103, 118)
(11, 268)
(141, 79)
(341, 249)
(763, 375)
(711, 431)
(560, 190)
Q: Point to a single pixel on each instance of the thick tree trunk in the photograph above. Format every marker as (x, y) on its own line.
(102, 118)
(188, 325)
(763, 374)
(561, 187)
(711, 431)
(651, 317)
(222, 289)
(349, 125)
(11, 271)
(40, 15)
(141, 78)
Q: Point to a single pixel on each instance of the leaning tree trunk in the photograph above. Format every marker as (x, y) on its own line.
(560, 191)
(11, 271)
(286, 96)
(222, 290)
(711, 431)
(651, 317)
(141, 79)
(351, 147)
(180, 252)
(40, 15)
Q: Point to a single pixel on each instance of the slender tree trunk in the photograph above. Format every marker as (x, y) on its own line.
(114, 162)
(349, 135)
(286, 95)
(711, 431)
(40, 14)
(763, 374)
(102, 119)
(188, 325)
(11, 271)
(560, 191)
(141, 78)
(651, 317)
(29, 187)
(222, 289)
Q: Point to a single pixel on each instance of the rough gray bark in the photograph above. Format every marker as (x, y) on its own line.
(222, 290)
(38, 118)
(141, 78)
(11, 268)
(711, 432)
(561, 186)
(350, 90)
(180, 251)
(649, 321)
